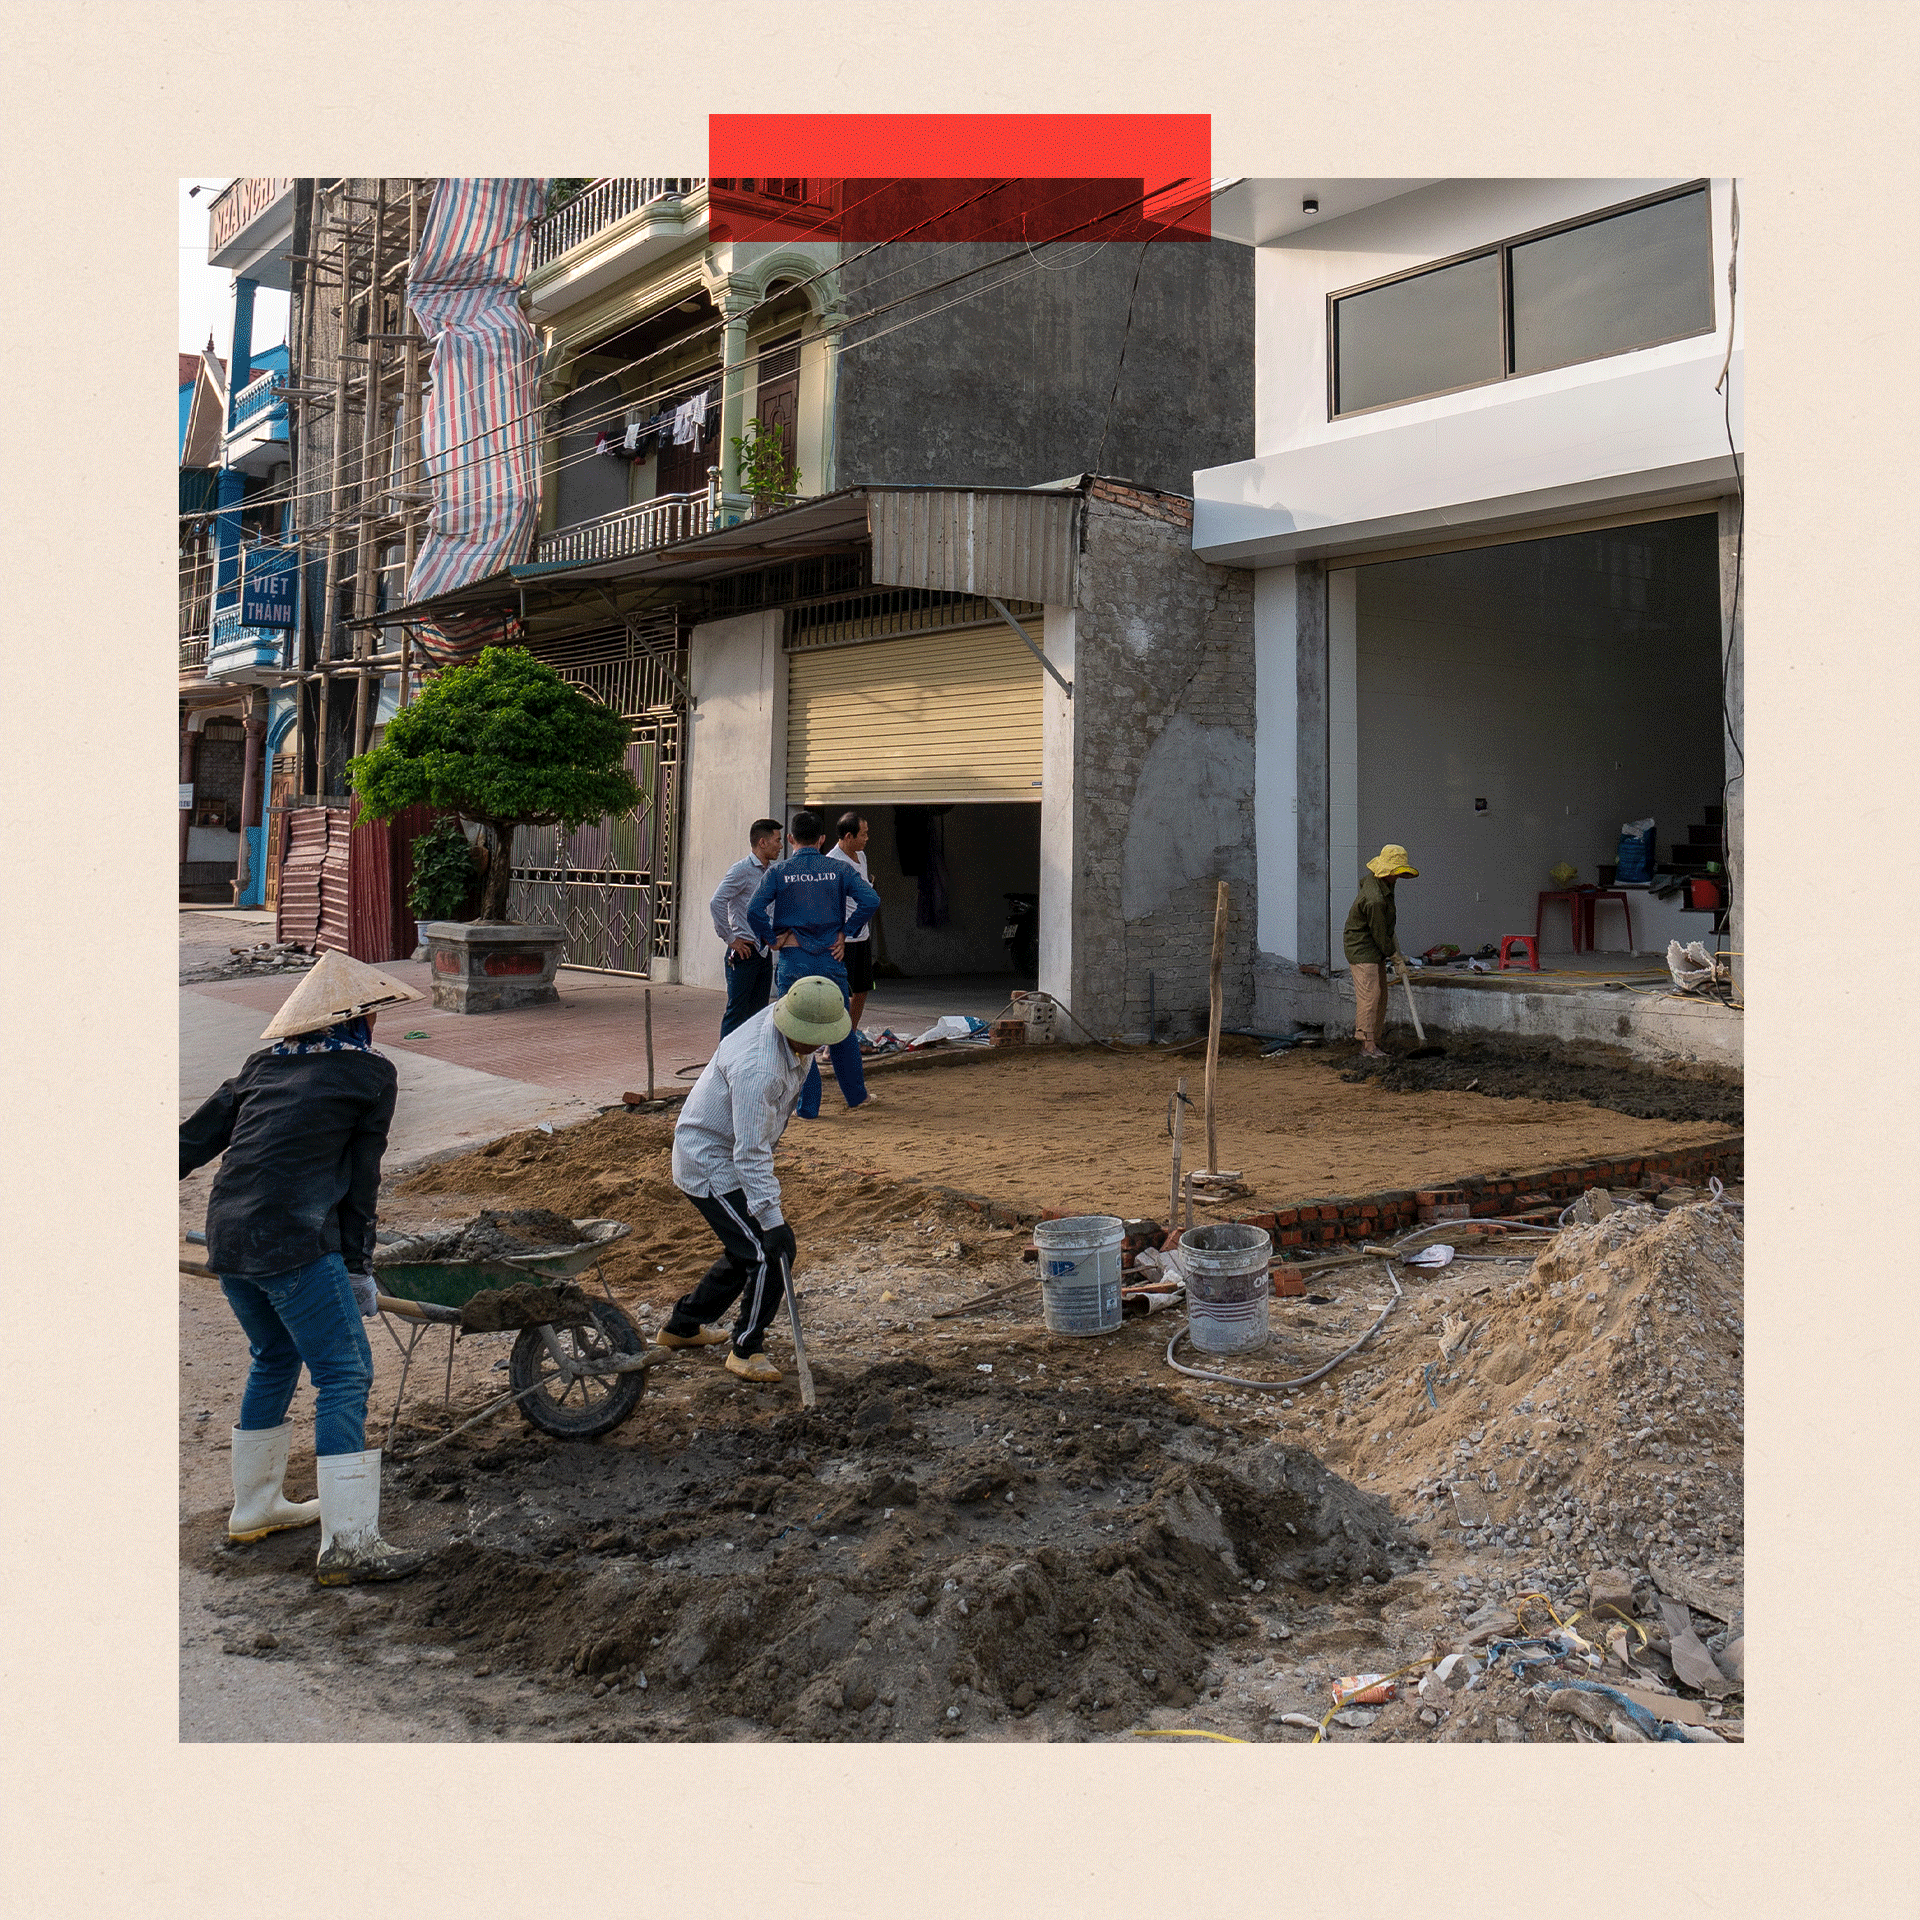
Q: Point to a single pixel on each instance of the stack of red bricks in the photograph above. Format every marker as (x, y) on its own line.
(1175, 508)
(1379, 1216)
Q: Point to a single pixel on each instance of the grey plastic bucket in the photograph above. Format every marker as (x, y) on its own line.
(1080, 1272)
(1227, 1287)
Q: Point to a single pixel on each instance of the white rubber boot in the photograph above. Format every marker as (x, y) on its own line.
(259, 1468)
(351, 1549)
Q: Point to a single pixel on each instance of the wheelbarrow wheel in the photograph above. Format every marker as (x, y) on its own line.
(583, 1408)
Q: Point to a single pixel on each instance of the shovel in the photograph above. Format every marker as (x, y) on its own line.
(799, 1345)
(1422, 1051)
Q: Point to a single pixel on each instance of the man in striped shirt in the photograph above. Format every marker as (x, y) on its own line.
(749, 964)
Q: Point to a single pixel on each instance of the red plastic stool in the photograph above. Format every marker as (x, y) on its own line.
(1604, 896)
(1526, 943)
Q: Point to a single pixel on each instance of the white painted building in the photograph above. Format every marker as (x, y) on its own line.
(1493, 515)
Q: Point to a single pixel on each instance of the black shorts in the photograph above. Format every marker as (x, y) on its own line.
(859, 965)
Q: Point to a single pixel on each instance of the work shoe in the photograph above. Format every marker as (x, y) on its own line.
(755, 1367)
(706, 1337)
(351, 1550)
(259, 1468)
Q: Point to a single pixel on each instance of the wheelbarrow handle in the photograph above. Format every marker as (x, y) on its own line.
(425, 1310)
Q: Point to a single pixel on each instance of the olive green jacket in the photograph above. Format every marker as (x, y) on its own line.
(1369, 937)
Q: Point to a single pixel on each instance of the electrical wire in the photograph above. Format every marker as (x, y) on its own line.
(1120, 366)
(626, 402)
(532, 359)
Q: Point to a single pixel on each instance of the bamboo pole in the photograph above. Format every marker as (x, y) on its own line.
(1179, 1132)
(648, 1001)
(1214, 998)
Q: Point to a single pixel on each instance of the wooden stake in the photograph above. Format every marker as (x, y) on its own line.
(1213, 1022)
(648, 1001)
(1179, 1131)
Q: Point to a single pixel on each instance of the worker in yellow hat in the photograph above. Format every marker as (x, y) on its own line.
(1370, 941)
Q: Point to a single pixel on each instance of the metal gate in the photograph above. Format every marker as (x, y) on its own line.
(612, 887)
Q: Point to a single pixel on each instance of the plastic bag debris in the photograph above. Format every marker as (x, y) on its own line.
(1692, 966)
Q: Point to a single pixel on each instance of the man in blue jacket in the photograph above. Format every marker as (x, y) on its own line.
(804, 909)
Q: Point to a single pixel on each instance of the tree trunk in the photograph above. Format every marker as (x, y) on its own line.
(498, 841)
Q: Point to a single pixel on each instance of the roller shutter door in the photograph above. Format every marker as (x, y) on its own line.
(953, 715)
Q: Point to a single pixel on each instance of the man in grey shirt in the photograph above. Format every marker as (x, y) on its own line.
(749, 964)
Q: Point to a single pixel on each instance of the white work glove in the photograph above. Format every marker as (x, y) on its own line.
(365, 1294)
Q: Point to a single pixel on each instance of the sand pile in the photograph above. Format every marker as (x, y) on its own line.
(1595, 1405)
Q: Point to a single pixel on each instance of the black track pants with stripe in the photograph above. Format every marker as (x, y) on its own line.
(748, 1270)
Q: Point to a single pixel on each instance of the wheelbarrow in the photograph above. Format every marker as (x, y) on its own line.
(575, 1381)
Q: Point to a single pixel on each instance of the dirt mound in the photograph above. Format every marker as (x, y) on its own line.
(502, 1309)
(919, 1556)
(1509, 1071)
(1596, 1404)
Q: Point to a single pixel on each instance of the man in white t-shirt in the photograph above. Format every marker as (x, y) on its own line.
(850, 845)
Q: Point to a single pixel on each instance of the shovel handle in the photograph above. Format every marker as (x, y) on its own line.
(799, 1345)
(1406, 982)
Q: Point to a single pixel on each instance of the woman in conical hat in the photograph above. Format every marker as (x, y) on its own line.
(302, 1127)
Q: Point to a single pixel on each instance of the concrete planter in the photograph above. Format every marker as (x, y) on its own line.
(488, 966)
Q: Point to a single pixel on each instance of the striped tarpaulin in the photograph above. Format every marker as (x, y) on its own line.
(480, 433)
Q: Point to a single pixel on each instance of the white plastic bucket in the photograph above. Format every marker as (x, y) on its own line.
(1080, 1272)
(1227, 1287)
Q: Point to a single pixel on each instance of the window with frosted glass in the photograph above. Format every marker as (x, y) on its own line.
(1631, 280)
(1428, 333)
(1634, 277)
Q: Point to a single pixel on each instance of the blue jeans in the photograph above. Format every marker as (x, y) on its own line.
(749, 987)
(305, 1315)
(796, 963)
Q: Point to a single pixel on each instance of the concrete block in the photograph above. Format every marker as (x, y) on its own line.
(485, 967)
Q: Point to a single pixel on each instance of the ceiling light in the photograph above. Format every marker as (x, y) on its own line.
(1309, 205)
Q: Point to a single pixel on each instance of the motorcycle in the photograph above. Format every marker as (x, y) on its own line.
(1022, 934)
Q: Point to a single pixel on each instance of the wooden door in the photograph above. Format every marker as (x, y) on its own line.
(777, 401)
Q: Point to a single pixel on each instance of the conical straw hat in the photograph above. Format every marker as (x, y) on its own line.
(338, 987)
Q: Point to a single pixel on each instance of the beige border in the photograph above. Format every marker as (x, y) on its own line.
(107, 1816)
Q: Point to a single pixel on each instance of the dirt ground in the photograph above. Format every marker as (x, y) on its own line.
(1087, 1130)
(986, 1531)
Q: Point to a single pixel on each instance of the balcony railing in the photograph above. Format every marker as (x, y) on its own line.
(631, 530)
(193, 653)
(255, 397)
(596, 208)
(240, 203)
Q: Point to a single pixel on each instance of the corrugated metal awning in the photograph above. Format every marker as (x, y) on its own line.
(1017, 545)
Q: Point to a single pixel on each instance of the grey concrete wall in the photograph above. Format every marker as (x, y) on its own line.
(1163, 775)
(1009, 386)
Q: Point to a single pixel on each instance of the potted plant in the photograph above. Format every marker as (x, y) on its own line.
(504, 743)
(767, 474)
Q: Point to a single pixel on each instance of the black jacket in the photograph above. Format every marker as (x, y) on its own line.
(303, 1135)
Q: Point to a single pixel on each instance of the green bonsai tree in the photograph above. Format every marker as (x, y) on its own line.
(505, 743)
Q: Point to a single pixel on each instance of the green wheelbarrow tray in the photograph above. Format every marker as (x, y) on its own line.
(574, 1382)
(452, 1283)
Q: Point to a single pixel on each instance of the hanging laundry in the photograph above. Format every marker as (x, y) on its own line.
(686, 425)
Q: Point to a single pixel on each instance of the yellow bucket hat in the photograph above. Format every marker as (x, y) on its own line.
(1391, 863)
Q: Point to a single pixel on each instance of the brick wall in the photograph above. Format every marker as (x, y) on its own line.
(1163, 767)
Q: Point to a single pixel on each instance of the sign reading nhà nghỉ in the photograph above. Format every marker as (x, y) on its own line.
(266, 599)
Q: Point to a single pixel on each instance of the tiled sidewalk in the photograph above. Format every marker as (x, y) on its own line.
(592, 1043)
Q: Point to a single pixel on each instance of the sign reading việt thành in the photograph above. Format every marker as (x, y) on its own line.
(267, 596)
